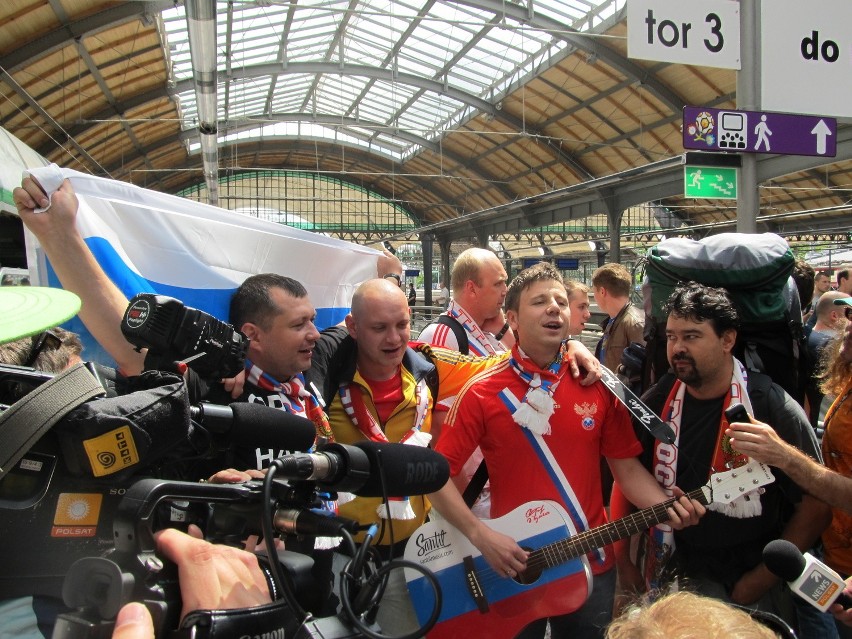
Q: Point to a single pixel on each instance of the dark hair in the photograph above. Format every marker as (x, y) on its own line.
(538, 272)
(842, 274)
(804, 276)
(252, 303)
(700, 303)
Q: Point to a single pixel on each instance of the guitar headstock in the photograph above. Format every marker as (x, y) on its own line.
(723, 488)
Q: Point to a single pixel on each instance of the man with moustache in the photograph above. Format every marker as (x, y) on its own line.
(722, 556)
(533, 421)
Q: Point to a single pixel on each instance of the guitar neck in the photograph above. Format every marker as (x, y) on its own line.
(561, 551)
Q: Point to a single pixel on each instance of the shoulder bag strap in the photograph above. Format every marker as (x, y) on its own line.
(25, 421)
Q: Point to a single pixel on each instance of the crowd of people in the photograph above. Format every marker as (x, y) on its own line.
(519, 411)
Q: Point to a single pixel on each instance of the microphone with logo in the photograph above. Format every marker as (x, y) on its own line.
(806, 575)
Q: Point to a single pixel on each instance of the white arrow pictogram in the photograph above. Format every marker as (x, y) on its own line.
(821, 131)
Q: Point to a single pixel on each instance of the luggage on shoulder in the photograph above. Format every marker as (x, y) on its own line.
(755, 269)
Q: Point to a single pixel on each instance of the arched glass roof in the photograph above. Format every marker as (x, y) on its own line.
(389, 77)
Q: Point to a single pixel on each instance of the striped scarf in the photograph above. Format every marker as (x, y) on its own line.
(295, 398)
(352, 400)
(478, 342)
(537, 406)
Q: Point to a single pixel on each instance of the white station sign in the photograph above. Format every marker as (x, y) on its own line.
(806, 56)
(705, 32)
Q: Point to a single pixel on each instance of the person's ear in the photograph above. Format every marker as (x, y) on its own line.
(512, 319)
(252, 331)
(349, 320)
(729, 338)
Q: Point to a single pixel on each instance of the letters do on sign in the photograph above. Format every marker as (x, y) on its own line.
(705, 33)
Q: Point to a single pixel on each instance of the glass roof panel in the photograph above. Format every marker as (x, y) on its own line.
(374, 47)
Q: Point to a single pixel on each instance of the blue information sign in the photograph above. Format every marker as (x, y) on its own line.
(706, 129)
(567, 263)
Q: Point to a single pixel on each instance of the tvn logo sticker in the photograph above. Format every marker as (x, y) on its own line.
(77, 515)
(111, 452)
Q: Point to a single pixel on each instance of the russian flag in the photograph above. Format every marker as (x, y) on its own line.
(153, 242)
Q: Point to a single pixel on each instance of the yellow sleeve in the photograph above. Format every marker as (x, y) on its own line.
(455, 369)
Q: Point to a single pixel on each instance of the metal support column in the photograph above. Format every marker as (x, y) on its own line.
(427, 241)
(615, 235)
(748, 99)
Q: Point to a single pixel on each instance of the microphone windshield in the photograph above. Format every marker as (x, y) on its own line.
(783, 559)
(407, 469)
(256, 425)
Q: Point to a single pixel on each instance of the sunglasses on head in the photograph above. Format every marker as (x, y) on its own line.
(44, 340)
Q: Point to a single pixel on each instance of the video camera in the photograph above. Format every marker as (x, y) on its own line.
(173, 332)
(99, 586)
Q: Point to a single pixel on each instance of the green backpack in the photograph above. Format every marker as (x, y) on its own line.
(755, 269)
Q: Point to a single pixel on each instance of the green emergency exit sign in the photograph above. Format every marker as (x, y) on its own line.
(718, 182)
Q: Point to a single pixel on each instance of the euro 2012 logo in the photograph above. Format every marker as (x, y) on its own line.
(702, 128)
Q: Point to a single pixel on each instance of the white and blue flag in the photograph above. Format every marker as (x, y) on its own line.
(153, 242)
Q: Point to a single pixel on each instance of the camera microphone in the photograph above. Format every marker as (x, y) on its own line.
(369, 469)
(256, 425)
(806, 575)
(408, 470)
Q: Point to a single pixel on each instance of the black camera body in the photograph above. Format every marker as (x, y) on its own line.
(168, 328)
(97, 587)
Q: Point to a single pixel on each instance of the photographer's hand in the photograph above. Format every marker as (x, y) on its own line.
(133, 622)
(213, 576)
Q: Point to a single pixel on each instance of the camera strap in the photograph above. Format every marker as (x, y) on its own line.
(25, 421)
(270, 620)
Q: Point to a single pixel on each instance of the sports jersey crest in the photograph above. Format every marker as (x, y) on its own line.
(587, 412)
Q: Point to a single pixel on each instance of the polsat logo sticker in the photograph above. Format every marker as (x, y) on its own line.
(76, 515)
(111, 452)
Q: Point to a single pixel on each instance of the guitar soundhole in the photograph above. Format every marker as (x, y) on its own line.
(530, 575)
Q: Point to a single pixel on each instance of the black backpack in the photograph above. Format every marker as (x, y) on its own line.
(756, 271)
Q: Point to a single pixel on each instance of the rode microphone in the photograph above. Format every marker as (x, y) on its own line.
(806, 575)
(407, 470)
(256, 425)
(365, 468)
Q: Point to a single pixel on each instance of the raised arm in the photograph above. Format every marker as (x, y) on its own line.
(103, 303)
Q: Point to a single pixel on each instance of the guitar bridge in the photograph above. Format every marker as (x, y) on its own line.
(473, 585)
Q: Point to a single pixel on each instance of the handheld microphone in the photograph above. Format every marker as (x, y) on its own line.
(806, 575)
(257, 425)
(362, 467)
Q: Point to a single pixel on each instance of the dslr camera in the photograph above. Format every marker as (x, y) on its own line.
(173, 332)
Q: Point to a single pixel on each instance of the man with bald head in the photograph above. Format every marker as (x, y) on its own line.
(378, 388)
